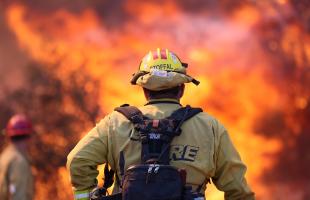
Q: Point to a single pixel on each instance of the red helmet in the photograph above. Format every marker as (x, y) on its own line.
(19, 125)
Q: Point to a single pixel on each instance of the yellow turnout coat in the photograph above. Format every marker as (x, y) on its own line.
(204, 149)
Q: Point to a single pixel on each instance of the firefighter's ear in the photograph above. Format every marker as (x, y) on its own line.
(181, 91)
(3, 132)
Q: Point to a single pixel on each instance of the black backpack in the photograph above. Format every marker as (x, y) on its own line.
(154, 178)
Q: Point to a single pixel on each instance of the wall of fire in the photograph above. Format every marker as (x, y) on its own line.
(68, 63)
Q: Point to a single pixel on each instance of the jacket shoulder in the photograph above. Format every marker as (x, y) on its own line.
(112, 121)
(12, 156)
(208, 122)
(206, 117)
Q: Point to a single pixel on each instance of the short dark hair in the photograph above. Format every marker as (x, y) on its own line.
(19, 138)
(167, 93)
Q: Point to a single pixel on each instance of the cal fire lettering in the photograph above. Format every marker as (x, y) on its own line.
(184, 152)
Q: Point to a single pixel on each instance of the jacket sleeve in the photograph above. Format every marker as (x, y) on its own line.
(83, 160)
(20, 181)
(230, 170)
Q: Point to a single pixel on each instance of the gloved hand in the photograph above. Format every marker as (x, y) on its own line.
(98, 193)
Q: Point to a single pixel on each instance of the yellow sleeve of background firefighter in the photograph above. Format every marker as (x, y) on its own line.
(83, 160)
(229, 175)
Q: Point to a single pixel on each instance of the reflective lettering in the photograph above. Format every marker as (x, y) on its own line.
(184, 152)
(154, 136)
(190, 153)
(162, 67)
(177, 152)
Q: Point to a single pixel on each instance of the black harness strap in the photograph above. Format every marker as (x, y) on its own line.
(144, 125)
(185, 113)
(132, 113)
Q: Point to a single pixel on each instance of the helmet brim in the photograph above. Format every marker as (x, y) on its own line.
(163, 80)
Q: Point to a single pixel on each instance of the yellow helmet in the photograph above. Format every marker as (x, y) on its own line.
(162, 60)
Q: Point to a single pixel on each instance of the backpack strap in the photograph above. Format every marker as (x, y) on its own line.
(135, 116)
(185, 113)
(179, 117)
(132, 113)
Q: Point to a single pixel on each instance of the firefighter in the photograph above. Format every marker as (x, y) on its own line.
(204, 148)
(16, 180)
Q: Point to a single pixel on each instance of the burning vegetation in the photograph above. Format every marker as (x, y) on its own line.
(66, 64)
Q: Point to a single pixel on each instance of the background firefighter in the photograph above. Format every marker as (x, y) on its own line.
(16, 180)
(204, 148)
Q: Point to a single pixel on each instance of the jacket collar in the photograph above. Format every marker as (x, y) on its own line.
(163, 100)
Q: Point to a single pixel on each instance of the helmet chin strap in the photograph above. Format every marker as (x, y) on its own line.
(196, 82)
